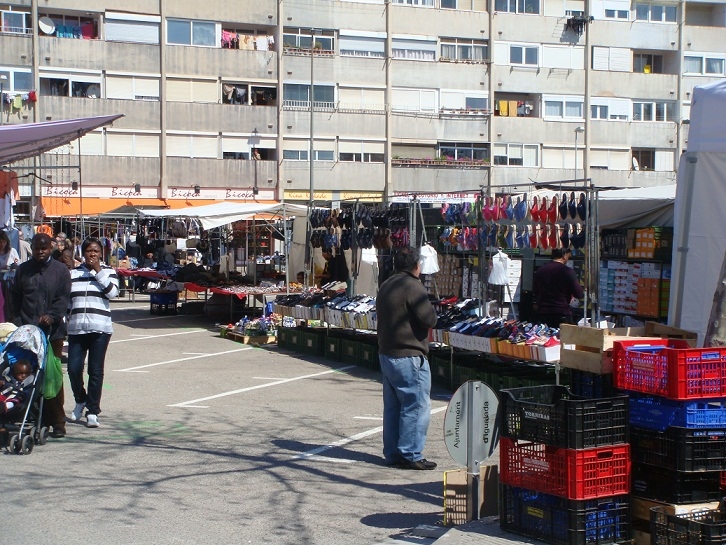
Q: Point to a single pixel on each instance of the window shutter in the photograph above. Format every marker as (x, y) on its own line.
(146, 145)
(92, 143)
(349, 147)
(119, 144)
(621, 59)
(453, 99)
(235, 144)
(374, 147)
(205, 91)
(556, 56)
(374, 99)
(664, 160)
(120, 87)
(204, 146)
(179, 146)
(132, 31)
(146, 87)
(178, 90)
(600, 58)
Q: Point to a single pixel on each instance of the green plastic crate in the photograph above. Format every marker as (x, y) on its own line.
(368, 355)
(349, 351)
(313, 342)
(332, 348)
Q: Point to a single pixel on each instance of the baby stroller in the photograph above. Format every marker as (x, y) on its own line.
(24, 430)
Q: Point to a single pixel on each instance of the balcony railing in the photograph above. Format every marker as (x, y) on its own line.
(305, 51)
(441, 162)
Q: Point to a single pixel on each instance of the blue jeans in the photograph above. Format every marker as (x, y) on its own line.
(95, 345)
(406, 407)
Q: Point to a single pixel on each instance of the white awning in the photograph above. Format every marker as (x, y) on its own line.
(223, 213)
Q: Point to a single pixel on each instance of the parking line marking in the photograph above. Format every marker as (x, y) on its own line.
(367, 418)
(129, 369)
(267, 385)
(157, 336)
(314, 452)
(147, 318)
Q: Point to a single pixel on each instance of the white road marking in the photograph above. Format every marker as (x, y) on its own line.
(127, 308)
(367, 418)
(128, 369)
(157, 336)
(146, 319)
(268, 378)
(267, 385)
(342, 442)
(196, 406)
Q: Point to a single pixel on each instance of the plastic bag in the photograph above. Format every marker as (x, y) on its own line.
(53, 374)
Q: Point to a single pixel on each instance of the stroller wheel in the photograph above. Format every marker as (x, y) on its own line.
(15, 444)
(43, 434)
(26, 445)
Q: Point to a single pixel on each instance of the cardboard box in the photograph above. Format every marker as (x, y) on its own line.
(640, 507)
(455, 495)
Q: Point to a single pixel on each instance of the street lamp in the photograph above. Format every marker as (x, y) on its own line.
(3, 79)
(578, 130)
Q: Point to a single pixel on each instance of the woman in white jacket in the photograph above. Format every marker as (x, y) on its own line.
(93, 285)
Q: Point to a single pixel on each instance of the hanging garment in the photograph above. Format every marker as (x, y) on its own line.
(512, 108)
(498, 274)
(17, 102)
(429, 260)
(503, 108)
(261, 43)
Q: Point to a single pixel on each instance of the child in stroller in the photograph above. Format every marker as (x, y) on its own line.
(16, 381)
(22, 374)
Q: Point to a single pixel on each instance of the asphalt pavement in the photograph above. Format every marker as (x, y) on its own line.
(205, 440)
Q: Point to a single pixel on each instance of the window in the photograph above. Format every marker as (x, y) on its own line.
(361, 157)
(424, 3)
(298, 95)
(361, 44)
(19, 79)
(187, 145)
(645, 63)
(703, 64)
(517, 6)
(128, 27)
(653, 111)
(461, 49)
(361, 99)
(523, 55)
(464, 151)
(414, 100)
(643, 159)
(244, 93)
(295, 155)
(464, 100)
(360, 152)
(132, 87)
(198, 33)
(516, 154)
(15, 22)
(617, 14)
(448, 4)
(301, 38)
(414, 49)
(71, 26)
(656, 13)
(192, 90)
(598, 111)
(247, 39)
(563, 108)
(67, 84)
(124, 144)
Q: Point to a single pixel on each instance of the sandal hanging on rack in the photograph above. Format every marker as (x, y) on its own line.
(563, 207)
(534, 211)
(552, 210)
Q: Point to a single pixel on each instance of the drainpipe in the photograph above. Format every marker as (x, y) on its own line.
(387, 185)
(679, 89)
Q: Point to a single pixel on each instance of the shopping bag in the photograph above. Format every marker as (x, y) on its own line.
(53, 374)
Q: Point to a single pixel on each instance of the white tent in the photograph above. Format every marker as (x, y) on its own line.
(699, 243)
(223, 213)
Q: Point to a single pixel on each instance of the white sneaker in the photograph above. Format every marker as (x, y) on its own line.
(77, 413)
(91, 421)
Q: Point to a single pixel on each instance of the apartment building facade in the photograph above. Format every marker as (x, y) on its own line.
(409, 96)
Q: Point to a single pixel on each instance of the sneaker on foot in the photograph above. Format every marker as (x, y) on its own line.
(77, 413)
(91, 421)
(422, 464)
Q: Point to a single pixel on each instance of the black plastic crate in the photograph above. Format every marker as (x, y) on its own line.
(564, 522)
(587, 384)
(553, 415)
(705, 527)
(670, 486)
(682, 449)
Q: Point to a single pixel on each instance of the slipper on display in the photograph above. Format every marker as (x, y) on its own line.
(572, 206)
(582, 207)
(563, 207)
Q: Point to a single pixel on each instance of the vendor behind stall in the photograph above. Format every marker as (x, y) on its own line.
(335, 270)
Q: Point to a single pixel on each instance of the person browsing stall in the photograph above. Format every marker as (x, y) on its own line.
(40, 297)
(8, 255)
(555, 286)
(93, 285)
(405, 317)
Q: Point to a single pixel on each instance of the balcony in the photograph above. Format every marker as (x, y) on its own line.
(441, 162)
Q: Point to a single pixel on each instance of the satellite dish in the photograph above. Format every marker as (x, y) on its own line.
(46, 25)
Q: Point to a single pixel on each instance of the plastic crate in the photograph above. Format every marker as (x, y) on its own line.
(576, 474)
(554, 416)
(564, 522)
(669, 486)
(704, 527)
(585, 384)
(658, 413)
(332, 348)
(368, 355)
(313, 342)
(349, 351)
(682, 449)
(674, 371)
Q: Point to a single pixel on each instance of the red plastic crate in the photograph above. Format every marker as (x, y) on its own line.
(576, 474)
(671, 369)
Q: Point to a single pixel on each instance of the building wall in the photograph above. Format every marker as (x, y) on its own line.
(153, 126)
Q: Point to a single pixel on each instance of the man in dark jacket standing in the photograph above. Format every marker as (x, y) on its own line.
(40, 297)
(555, 285)
(405, 317)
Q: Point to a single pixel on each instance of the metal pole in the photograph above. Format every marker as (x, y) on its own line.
(310, 268)
(80, 185)
(2, 99)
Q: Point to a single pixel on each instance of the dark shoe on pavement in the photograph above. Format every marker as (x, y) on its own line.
(422, 464)
(57, 432)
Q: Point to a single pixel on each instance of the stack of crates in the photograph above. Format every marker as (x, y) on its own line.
(564, 466)
(678, 421)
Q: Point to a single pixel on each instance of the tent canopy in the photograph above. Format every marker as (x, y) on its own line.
(29, 140)
(223, 213)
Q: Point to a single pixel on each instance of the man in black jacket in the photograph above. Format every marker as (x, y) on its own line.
(555, 286)
(40, 297)
(405, 317)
